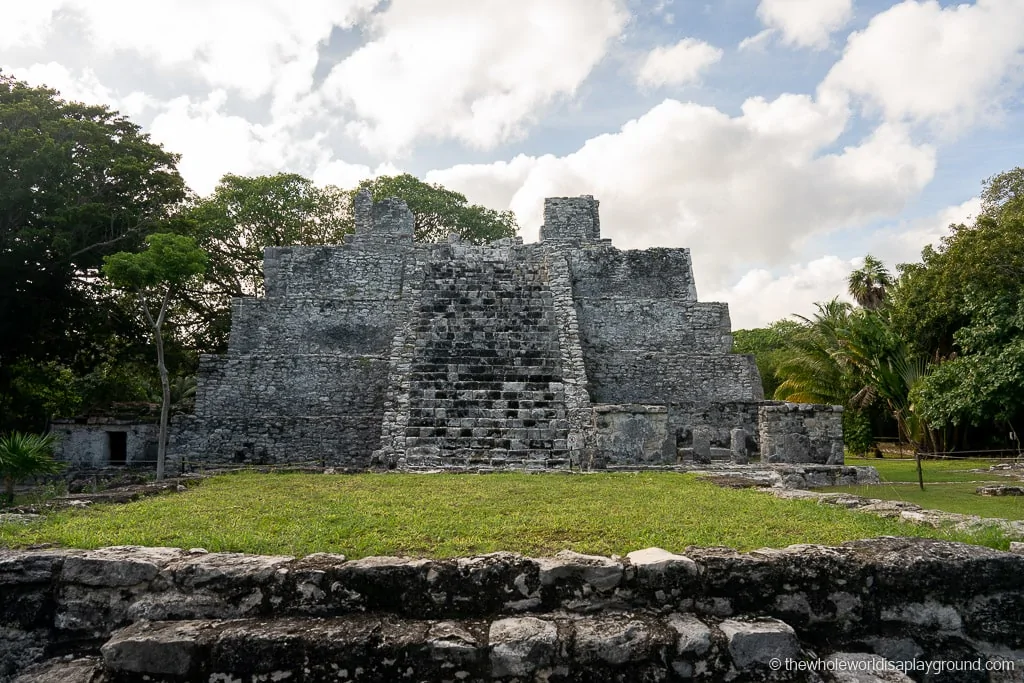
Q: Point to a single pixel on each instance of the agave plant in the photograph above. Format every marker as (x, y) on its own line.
(25, 455)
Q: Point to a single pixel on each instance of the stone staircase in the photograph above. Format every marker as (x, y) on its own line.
(485, 382)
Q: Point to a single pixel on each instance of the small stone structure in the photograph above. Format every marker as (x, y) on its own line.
(801, 433)
(381, 352)
(163, 615)
(106, 441)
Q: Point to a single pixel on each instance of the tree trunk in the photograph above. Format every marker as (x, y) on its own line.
(165, 384)
(165, 408)
(8, 491)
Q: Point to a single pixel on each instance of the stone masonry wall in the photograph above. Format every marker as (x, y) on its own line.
(633, 435)
(801, 433)
(305, 375)
(163, 614)
(458, 354)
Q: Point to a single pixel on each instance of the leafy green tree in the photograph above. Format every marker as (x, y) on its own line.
(769, 346)
(77, 182)
(242, 217)
(985, 383)
(869, 283)
(25, 455)
(155, 276)
(440, 212)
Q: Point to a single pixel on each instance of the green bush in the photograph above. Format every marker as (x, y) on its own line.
(25, 455)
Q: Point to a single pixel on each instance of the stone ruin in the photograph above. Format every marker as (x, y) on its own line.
(566, 353)
(864, 611)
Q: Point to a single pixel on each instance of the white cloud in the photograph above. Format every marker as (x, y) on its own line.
(84, 87)
(678, 64)
(922, 63)
(346, 175)
(758, 41)
(253, 48)
(735, 189)
(903, 241)
(802, 23)
(760, 298)
(213, 143)
(476, 72)
(26, 23)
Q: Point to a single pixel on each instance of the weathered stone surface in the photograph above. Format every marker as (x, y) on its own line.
(384, 353)
(738, 446)
(694, 636)
(602, 573)
(1000, 490)
(117, 566)
(801, 433)
(572, 616)
(154, 648)
(520, 646)
(756, 643)
(859, 667)
(63, 670)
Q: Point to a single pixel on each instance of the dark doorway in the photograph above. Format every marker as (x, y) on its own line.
(118, 442)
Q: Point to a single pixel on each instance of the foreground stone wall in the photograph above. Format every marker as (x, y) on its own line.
(801, 433)
(711, 615)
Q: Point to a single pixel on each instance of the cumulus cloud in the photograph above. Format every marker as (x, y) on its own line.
(801, 23)
(736, 190)
(213, 142)
(949, 67)
(902, 242)
(27, 23)
(253, 48)
(346, 175)
(475, 72)
(760, 298)
(82, 87)
(678, 64)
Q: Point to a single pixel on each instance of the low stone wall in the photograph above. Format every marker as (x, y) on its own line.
(801, 433)
(163, 614)
(632, 434)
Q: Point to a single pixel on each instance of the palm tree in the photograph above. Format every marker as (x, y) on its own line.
(869, 283)
(25, 455)
(814, 371)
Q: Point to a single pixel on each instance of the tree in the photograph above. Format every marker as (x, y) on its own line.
(869, 283)
(440, 211)
(242, 217)
(985, 383)
(77, 182)
(25, 455)
(769, 346)
(155, 276)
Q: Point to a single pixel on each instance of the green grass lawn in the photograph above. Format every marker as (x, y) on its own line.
(445, 515)
(949, 486)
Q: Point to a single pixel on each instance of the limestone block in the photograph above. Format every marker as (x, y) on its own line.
(521, 645)
(701, 446)
(694, 636)
(753, 643)
(738, 446)
(602, 573)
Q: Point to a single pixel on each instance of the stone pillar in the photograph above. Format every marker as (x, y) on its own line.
(738, 445)
(571, 218)
(702, 445)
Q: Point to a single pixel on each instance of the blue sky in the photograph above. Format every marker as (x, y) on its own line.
(780, 140)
